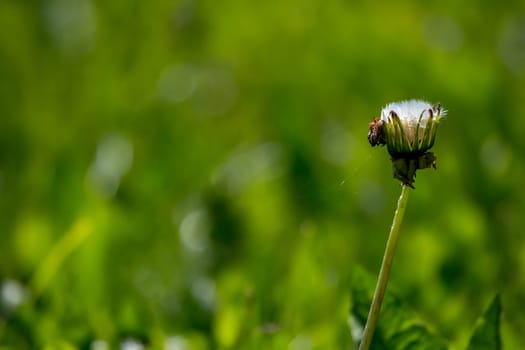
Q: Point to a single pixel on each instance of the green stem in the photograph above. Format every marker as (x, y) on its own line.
(384, 273)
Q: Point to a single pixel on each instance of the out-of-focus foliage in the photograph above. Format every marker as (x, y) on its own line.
(486, 334)
(398, 328)
(196, 174)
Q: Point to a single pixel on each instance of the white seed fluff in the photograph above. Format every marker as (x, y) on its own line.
(410, 111)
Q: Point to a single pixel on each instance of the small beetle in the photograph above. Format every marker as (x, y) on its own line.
(376, 134)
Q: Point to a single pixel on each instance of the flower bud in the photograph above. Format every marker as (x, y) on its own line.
(408, 129)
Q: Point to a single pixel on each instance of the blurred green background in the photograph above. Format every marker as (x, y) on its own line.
(196, 174)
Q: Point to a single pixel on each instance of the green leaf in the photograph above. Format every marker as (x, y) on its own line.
(486, 334)
(398, 328)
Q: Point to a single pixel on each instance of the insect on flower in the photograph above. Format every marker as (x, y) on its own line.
(376, 133)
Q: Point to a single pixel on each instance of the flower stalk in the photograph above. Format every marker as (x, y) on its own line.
(384, 272)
